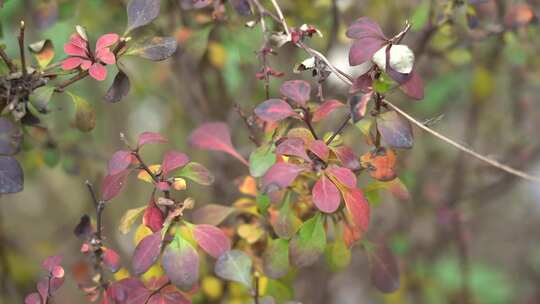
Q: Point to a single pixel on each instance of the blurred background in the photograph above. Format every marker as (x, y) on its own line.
(466, 227)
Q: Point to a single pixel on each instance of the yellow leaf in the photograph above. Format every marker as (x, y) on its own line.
(212, 287)
(144, 176)
(141, 232)
(179, 184)
(121, 274)
(129, 218)
(217, 54)
(154, 272)
(250, 232)
(248, 186)
(246, 205)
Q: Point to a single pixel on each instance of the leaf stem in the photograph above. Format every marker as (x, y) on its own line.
(21, 49)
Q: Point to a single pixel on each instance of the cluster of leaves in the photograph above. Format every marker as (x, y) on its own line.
(27, 91)
(47, 286)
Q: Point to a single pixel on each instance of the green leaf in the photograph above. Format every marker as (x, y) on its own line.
(261, 160)
(263, 202)
(276, 258)
(197, 173)
(310, 242)
(85, 117)
(420, 16)
(338, 255)
(40, 98)
(234, 265)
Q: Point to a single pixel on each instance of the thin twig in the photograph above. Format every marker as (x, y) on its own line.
(307, 120)
(21, 49)
(464, 149)
(281, 17)
(340, 129)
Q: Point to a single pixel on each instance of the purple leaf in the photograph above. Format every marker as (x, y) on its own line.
(384, 271)
(297, 90)
(120, 161)
(347, 157)
(280, 176)
(173, 160)
(363, 50)
(150, 138)
(325, 109)
(181, 263)
(10, 137)
(11, 175)
(414, 87)
(130, 291)
(359, 106)
(211, 239)
(215, 136)
(84, 228)
(326, 195)
(112, 184)
(51, 262)
(293, 147)
(363, 84)
(242, 7)
(146, 253)
(119, 88)
(395, 130)
(274, 110)
(364, 27)
(141, 12)
(153, 218)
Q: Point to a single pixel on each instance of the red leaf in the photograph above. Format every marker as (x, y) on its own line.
(342, 175)
(153, 218)
(111, 259)
(296, 90)
(120, 161)
(279, 176)
(51, 262)
(112, 184)
(364, 27)
(173, 160)
(211, 214)
(326, 195)
(347, 157)
(293, 147)
(146, 253)
(414, 87)
(163, 186)
(319, 148)
(363, 50)
(358, 207)
(384, 271)
(211, 239)
(129, 291)
(33, 298)
(325, 109)
(215, 136)
(150, 138)
(274, 110)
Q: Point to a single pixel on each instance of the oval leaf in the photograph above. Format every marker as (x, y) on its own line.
(11, 175)
(211, 214)
(293, 147)
(326, 195)
(119, 88)
(395, 130)
(280, 176)
(120, 161)
(112, 184)
(10, 137)
(260, 160)
(276, 258)
(181, 263)
(234, 265)
(325, 109)
(215, 136)
(384, 271)
(146, 253)
(155, 48)
(296, 90)
(306, 247)
(274, 110)
(173, 160)
(211, 239)
(197, 173)
(141, 12)
(85, 117)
